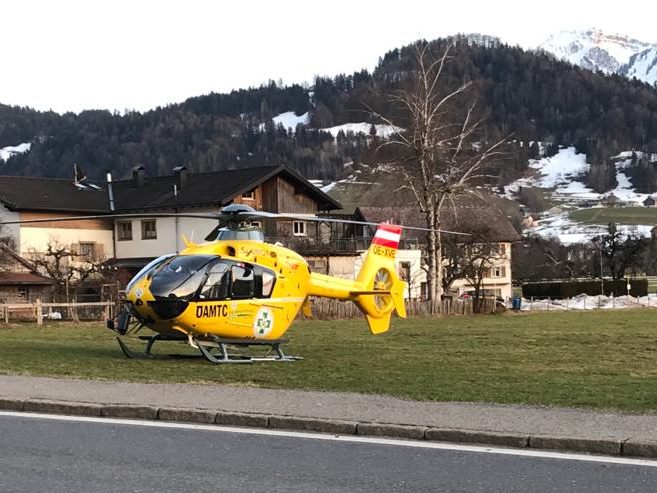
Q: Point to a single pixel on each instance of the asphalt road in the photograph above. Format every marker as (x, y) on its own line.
(55, 454)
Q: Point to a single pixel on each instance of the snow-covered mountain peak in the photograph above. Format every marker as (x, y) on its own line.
(594, 49)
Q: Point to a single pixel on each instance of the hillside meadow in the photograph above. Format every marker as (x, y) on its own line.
(619, 215)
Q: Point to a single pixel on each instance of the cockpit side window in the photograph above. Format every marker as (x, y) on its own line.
(243, 281)
(226, 279)
(217, 285)
(268, 278)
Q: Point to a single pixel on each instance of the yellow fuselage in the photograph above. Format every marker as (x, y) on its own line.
(267, 317)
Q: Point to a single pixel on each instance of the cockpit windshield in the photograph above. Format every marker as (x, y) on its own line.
(179, 277)
(147, 268)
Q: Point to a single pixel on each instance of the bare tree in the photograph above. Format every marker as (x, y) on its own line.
(65, 266)
(439, 154)
(481, 259)
(472, 259)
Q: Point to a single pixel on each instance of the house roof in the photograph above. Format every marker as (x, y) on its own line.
(215, 188)
(24, 278)
(27, 193)
(203, 189)
(476, 218)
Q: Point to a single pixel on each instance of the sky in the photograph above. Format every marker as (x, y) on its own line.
(72, 55)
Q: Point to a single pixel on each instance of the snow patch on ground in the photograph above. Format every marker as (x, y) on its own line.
(561, 169)
(383, 131)
(351, 179)
(290, 120)
(584, 302)
(7, 152)
(568, 232)
(563, 174)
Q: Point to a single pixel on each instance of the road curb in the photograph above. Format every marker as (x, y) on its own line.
(516, 440)
(333, 426)
(391, 430)
(604, 446)
(599, 446)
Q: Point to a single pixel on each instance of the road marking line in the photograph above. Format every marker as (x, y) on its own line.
(341, 438)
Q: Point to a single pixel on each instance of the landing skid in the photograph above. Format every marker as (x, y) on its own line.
(224, 357)
(150, 342)
(215, 349)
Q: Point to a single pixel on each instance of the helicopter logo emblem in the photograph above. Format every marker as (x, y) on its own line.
(263, 323)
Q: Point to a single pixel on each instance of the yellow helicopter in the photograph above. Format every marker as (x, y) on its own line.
(237, 290)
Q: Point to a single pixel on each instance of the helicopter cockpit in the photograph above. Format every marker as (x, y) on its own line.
(177, 280)
(208, 277)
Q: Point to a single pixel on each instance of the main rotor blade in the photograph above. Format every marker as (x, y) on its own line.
(245, 216)
(287, 217)
(113, 216)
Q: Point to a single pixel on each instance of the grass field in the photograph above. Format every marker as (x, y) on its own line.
(620, 215)
(600, 359)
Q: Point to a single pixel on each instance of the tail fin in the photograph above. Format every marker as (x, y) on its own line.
(379, 274)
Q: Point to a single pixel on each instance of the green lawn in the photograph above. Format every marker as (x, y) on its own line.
(620, 215)
(601, 359)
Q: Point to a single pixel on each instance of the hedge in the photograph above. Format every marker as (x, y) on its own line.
(568, 289)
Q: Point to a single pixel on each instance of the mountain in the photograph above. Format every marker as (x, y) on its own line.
(594, 49)
(329, 131)
(642, 65)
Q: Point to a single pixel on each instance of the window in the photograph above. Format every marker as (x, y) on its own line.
(299, 228)
(230, 280)
(499, 271)
(87, 250)
(124, 231)
(243, 281)
(179, 277)
(23, 293)
(405, 271)
(250, 195)
(217, 284)
(148, 230)
(318, 265)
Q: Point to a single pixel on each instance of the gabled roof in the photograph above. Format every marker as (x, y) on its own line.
(203, 189)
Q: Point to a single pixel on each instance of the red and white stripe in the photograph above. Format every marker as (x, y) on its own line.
(387, 235)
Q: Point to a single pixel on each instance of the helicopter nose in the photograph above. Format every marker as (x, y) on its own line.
(167, 309)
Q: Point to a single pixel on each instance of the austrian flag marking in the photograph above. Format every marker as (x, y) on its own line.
(387, 235)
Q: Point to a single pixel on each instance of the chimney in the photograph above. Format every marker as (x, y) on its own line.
(138, 176)
(181, 176)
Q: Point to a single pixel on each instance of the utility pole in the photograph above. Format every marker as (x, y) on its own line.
(602, 280)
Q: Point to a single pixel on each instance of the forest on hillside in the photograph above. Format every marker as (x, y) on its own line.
(526, 95)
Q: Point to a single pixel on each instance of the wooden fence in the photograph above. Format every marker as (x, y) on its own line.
(57, 311)
(325, 309)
